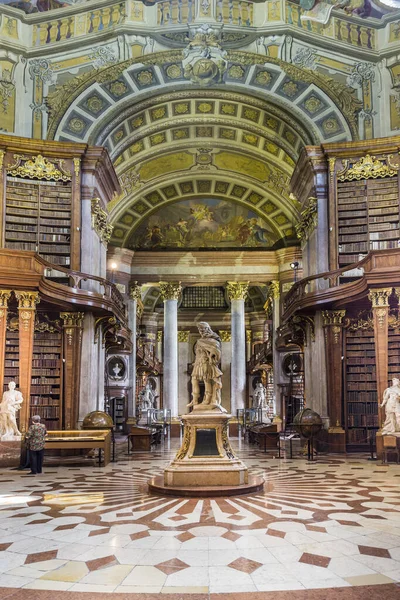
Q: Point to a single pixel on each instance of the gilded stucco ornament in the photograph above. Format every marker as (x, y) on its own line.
(100, 221)
(204, 60)
(368, 167)
(38, 167)
(308, 219)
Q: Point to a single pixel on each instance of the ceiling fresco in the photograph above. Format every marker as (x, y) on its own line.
(203, 223)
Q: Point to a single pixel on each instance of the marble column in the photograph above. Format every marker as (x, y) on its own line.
(237, 292)
(272, 307)
(170, 293)
(135, 297)
(92, 380)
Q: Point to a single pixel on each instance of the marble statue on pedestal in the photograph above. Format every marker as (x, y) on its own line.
(391, 403)
(260, 396)
(10, 404)
(206, 369)
(146, 397)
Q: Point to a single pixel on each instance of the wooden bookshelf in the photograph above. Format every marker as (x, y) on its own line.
(360, 389)
(46, 381)
(38, 218)
(367, 217)
(119, 412)
(393, 354)
(11, 363)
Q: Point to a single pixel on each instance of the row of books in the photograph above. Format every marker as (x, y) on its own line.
(358, 436)
(43, 401)
(45, 389)
(46, 412)
(45, 363)
(371, 396)
(359, 385)
(362, 421)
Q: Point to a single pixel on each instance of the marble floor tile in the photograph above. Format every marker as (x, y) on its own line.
(333, 523)
(145, 576)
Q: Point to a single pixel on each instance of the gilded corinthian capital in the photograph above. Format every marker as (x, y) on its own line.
(27, 300)
(72, 319)
(170, 290)
(333, 317)
(4, 297)
(380, 297)
(237, 290)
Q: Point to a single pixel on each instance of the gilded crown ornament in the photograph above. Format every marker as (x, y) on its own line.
(368, 167)
(38, 167)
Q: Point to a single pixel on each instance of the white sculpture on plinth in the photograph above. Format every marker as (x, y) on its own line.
(391, 403)
(10, 404)
(260, 396)
(146, 397)
(206, 369)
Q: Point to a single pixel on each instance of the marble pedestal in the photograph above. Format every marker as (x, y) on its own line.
(205, 463)
(10, 452)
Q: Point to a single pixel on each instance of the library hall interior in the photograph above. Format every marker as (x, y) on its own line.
(200, 299)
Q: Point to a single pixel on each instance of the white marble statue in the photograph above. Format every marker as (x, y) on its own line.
(206, 369)
(260, 396)
(146, 397)
(391, 403)
(10, 404)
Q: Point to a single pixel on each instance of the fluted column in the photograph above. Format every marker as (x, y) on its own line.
(237, 291)
(170, 293)
(135, 296)
(4, 297)
(380, 310)
(27, 311)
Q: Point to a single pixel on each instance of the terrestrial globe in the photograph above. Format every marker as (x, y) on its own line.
(307, 423)
(97, 419)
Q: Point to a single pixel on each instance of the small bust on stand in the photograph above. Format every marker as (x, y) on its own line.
(10, 405)
(117, 368)
(391, 403)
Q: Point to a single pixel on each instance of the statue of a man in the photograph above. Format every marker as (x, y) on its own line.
(206, 369)
(146, 397)
(391, 402)
(260, 396)
(10, 404)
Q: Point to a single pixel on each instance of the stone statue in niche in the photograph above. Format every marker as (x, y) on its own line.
(260, 396)
(206, 369)
(146, 397)
(10, 405)
(117, 368)
(391, 403)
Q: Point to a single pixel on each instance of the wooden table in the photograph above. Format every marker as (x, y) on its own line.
(86, 439)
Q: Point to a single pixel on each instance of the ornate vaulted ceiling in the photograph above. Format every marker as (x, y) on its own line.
(172, 139)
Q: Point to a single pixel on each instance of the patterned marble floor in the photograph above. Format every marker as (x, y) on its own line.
(334, 523)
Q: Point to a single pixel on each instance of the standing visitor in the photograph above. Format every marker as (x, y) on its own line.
(36, 439)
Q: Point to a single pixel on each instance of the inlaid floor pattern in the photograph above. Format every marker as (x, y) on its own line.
(329, 524)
